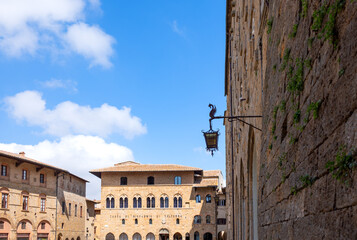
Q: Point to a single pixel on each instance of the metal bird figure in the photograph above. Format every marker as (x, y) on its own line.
(213, 110)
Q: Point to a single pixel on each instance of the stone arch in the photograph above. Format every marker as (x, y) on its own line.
(60, 236)
(43, 229)
(123, 236)
(136, 236)
(207, 236)
(24, 229)
(109, 236)
(5, 231)
(177, 236)
(150, 236)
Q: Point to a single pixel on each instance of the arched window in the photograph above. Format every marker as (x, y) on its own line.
(135, 203)
(197, 219)
(208, 198)
(166, 202)
(139, 202)
(136, 221)
(196, 236)
(180, 202)
(109, 236)
(207, 236)
(123, 221)
(125, 202)
(123, 236)
(177, 236)
(150, 236)
(175, 202)
(198, 198)
(162, 202)
(177, 221)
(123, 181)
(150, 221)
(151, 180)
(153, 202)
(148, 202)
(121, 202)
(208, 219)
(136, 236)
(110, 202)
(187, 236)
(177, 180)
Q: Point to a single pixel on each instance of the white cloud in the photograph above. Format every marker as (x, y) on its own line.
(175, 28)
(26, 26)
(91, 42)
(58, 83)
(70, 118)
(78, 155)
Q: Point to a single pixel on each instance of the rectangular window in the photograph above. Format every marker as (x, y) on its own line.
(43, 204)
(25, 201)
(69, 209)
(24, 174)
(43, 225)
(23, 225)
(81, 211)
(3, 170)
(4, 200)
(221, 221)
(63, 207)
(42, 178)
(75, 210)
(2, 223)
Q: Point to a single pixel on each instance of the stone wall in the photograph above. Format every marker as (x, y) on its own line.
(294, 63)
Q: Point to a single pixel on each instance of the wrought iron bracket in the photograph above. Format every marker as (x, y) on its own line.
(230, 118)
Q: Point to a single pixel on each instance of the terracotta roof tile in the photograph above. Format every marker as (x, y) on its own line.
(137, 167)
(211, 173)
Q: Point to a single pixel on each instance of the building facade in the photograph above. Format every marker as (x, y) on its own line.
(37, 197)
(163, 202)
(293, 62)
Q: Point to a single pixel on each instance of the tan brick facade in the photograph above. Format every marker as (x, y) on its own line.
(176, 221)
(28, 206)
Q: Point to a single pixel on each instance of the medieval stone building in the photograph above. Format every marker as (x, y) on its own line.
(293, 62)
(160, 201)
(40, 201)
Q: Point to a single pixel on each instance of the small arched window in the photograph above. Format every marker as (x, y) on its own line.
(135, 202)
(150, 221)
(162, 204)
(166, 202)
(208, 219)
(180, 202)
(196, 236)
(208, 198)
(110, 202)
(177, 180)
(123, 181)
(175, 202)
(125, 202)
(177, 221)
(198, 198)
(187, 236)
(153, 202)
(123, 221)
(121, 202)
(123, 236)
(151, 180)
(139, 202)
(197, 219)
(136, 221)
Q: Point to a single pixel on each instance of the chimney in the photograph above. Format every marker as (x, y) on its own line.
(22, 154)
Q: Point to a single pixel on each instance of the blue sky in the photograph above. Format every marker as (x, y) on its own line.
(87, 83)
